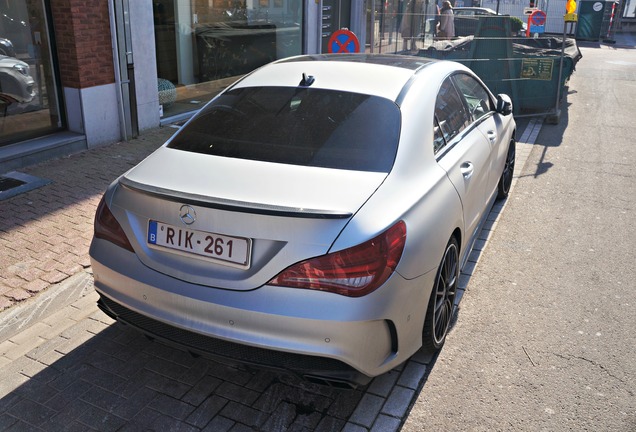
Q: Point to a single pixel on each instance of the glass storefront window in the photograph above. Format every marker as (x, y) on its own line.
(398, 26)
(29, 103)
(204, 45)
(630, 9)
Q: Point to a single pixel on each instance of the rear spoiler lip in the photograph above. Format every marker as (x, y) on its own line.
(232, 205)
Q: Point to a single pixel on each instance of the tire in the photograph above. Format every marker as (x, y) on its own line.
(505, 181)
(442, 301)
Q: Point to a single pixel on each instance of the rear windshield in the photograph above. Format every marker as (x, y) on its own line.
(298, 126)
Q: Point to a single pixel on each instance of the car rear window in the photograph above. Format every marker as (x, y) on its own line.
(299, 126)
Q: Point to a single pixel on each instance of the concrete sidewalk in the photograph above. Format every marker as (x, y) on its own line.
(45, 233)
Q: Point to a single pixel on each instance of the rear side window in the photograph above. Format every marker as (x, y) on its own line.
(450, 115)
(298, 126)
(476, 96)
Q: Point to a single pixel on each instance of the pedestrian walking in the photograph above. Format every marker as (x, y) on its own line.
(437, 15)
(446, 22)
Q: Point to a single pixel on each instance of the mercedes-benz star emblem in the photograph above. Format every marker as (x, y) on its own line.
(187, 214)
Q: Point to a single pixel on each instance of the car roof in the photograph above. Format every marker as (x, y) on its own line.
(482, 9)
(407, 62)
(383, 75)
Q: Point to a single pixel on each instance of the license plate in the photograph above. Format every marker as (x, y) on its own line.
(217, 247)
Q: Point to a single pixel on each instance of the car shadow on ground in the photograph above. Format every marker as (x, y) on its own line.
(116, 379)
(100, 375)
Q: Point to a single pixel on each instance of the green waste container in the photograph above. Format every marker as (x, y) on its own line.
(538, 82)
(591, 16)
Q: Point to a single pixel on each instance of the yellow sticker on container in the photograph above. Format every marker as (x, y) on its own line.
(538, 69)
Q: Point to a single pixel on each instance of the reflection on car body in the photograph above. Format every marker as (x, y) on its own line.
(16, 85)
(6, 48)
(355, 185)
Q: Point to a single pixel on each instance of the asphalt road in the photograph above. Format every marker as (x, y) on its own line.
(545, 336)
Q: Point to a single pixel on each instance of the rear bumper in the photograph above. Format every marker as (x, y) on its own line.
(321, 336)
(315, 369)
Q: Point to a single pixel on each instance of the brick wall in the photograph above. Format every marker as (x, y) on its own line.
(84, 48)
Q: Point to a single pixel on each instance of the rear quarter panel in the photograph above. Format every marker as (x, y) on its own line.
(417, 190)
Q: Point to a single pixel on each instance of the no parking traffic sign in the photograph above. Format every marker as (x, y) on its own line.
(537, 22)
(343, 41)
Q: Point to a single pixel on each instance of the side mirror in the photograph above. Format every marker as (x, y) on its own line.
(504, 104)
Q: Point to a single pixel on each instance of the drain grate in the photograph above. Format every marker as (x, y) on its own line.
(7, 183)
(14, 183)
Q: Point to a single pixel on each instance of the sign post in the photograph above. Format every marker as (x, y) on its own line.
(569, 17)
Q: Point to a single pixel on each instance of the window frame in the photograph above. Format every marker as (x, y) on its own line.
(450, 142)
(488, 96)
(439, 122)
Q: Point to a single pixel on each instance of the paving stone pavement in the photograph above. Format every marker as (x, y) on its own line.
(64, 365)
(75, 370)
(45, 233)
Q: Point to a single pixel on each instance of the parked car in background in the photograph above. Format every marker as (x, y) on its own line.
(467, 20)
(16, 84)
(313, 217)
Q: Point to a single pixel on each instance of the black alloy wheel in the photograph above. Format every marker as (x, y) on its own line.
(442, 302)
(503, 188)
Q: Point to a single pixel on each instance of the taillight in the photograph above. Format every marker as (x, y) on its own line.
(107, 227)
(352, 272)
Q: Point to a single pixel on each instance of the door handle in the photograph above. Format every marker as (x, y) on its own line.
(492, 136)
(467, 170)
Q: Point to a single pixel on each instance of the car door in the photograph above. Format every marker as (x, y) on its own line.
(463, 152)
(481, 109)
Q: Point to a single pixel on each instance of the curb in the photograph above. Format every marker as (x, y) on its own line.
(524, 146)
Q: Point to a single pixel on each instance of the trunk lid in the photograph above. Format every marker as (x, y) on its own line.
(267, 215)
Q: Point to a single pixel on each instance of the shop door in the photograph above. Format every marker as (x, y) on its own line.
(126, 69)
(30, 96)
(336, 14)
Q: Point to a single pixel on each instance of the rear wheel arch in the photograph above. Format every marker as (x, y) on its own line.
(458, 236)
(505, 180)
(441, 303)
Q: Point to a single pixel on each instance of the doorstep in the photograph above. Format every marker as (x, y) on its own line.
(25, 153)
